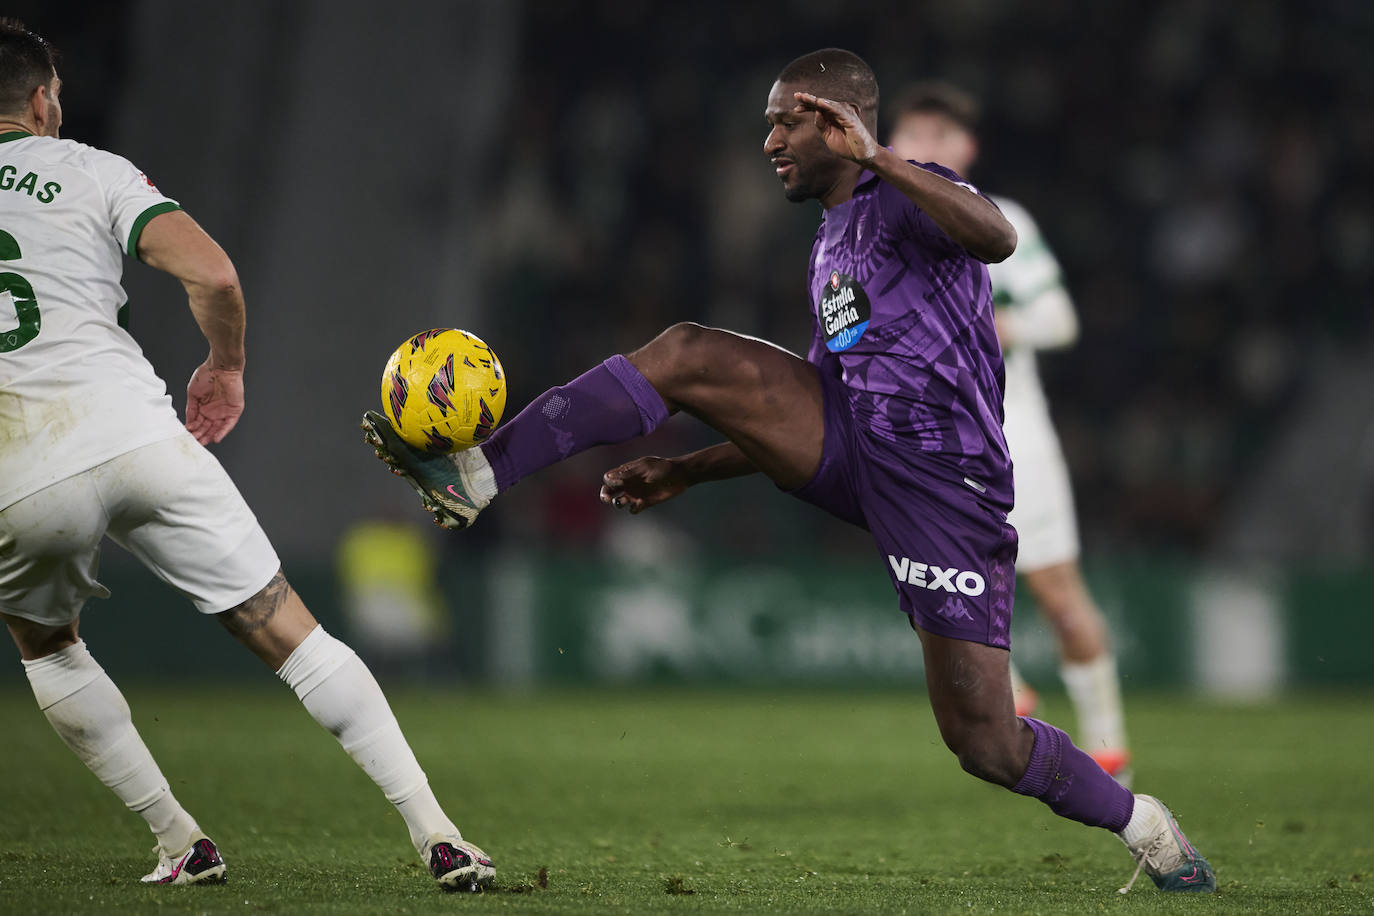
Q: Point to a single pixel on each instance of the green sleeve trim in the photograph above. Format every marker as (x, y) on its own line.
(166, 206)
(122, 317)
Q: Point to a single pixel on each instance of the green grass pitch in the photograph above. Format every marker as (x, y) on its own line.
(637, 801)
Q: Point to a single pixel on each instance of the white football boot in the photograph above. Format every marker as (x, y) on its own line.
(199, 863)
(457, 864)
(1165, 854)
(444, 481)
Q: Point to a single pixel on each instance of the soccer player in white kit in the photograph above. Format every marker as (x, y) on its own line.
(91, 447)
(935, 122)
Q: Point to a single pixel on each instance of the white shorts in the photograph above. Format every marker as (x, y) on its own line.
(170, 504)
(1044, 514)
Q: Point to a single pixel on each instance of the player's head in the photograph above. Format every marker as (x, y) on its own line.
(805, 164)
(936, 122)
(29, 84)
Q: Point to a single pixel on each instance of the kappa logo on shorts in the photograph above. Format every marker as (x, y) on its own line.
(953, 608)
(929, 576)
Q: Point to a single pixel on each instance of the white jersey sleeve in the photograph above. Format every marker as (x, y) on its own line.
(131, 198)
(75, 389)
(1028, 288)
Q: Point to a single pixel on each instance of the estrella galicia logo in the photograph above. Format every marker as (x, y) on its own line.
(843, 312)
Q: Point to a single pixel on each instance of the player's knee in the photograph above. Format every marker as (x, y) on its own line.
(688, 357)
(38, 640)
(270, 595)
(1056, 598)
(686, 349)
(685, 334)
(272, 623)
(1077, 622)
(1060, 593)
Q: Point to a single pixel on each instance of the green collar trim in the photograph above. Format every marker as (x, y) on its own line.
(9, 135)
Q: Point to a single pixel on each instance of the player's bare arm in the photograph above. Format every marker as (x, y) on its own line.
(174, 243)
(968, 218)
(646, 482)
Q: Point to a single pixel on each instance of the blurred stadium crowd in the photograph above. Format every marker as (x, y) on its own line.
(1201, 172)
(1201, 169)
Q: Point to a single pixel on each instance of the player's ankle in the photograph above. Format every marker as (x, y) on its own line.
(1144, 823)
(478, 475)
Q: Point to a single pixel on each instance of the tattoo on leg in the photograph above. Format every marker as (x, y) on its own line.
(255, 613)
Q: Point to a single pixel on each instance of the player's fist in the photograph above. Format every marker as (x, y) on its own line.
(644, 482)
(841, 127)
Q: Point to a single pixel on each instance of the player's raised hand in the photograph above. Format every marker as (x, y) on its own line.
(644, 482)
(214, 402)
(841, 127)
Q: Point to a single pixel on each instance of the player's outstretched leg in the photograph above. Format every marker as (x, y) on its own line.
(970, 693)
(610, 403)
(766, 400)
(340, 693)
(1087, 663)
(91, 716)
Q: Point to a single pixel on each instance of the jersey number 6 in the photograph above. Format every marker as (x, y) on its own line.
(25, 302)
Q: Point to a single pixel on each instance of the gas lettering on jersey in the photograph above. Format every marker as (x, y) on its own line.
(28, 184)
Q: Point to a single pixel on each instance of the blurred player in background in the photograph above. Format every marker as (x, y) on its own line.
(935, 122)
(893, 423)
(90, 446)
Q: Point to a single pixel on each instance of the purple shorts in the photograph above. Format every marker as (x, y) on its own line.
(950, 553)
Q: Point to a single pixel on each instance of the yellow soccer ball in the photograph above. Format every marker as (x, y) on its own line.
(443, 390)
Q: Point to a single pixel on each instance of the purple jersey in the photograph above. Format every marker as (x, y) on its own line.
(904, 317)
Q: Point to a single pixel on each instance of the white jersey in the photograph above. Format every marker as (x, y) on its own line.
(75, 389)
(1033, 305)
(1036, 313)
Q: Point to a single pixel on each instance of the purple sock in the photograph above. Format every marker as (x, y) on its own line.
(610, 403)
(1072, 783)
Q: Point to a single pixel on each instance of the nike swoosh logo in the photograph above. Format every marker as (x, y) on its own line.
(1188, 879)
(459, 496)
(180, 865)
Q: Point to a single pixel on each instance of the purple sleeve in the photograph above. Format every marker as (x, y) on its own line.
(914, 222)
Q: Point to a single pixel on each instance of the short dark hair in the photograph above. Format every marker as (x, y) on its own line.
(835, 73)
(27, 61)
(939, 97)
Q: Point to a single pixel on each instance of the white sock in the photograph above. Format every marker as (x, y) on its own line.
(90, 714)
(478, 475)
(342, 695)
(1144, 822)
(1095, 691)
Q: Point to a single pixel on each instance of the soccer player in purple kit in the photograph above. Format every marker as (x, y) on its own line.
(893, 423)
(936, 121)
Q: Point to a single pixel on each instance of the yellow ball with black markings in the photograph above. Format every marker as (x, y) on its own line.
(443, 390)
